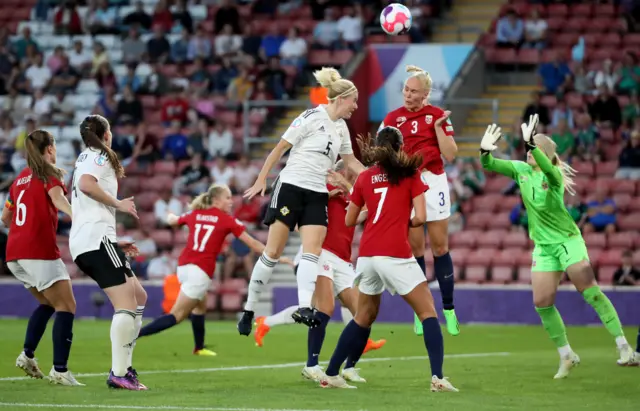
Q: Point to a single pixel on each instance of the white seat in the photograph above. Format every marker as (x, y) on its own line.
(198, 12)
(120, 71)
(81, 115)
(87, 40)
(124, 11)
(62, 41)
(88, 87)
(109, 41)
(69, 133)
(143, 71)
(116, 56)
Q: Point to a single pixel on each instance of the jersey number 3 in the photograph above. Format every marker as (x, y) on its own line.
(414, 127)
(199, 245)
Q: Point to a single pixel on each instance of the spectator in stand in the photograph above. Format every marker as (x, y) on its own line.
(194, 179)
(180, 49)
(251, 41)
(562, 112)
(274, 77)
(156, 83)
(587, 140)
(629, 74)
(200, 78)
(293, 50)
(66, 19)
(162, 265)
(7, 173)
(38, 74)
(105, 77)
(65, 79)
(130, 108)
(9, 134)
(629, 159)
(271, 43)
(456, 220)
(41, 107)
(267, 7)
(582, 84)
(162, 16)
(473, 177)
(222, 172)
(601, 213)
(21, 45)
(227, 14)
(245, 174)
(605, 77)
(145, 150)
(16, 106)
(104, 20)
(62, 112)
(7, 61)
(174, 108)
(513, 138)
(606, 111)
(199, 46)
(555, 76)
(123, 146)
(80, 58)
(535, 106)
(133, 48)
(174, 146)
(223, 77)
(326, 35)
(100, 56)
(107, 105)
(627, 274)
(535, 31)
(130, 79)
(54, 62)
(164, 205)
(227, 43)
(198, 138)
(350, 26)
(518, 217)
(30, 126)
(240, 88)
(139, 17)
(631, 111)
(510, 30)
(220, 141)
(158, 47)
(182, 18)
(564, 139)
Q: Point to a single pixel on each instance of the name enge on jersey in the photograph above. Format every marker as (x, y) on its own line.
(378, 178)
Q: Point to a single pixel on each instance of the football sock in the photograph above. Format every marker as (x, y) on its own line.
(122, 333)
(36, 328)
(605, 310)
(157, 325)
(306, 278)
(422, 264)
(357, 351)
(315, 338)
(443, 267)
(197, 325)
(62, 336)
(435, 345)
(352, 337)
(346, 315)
(138, 325)
(259, 279)
(554, 326)
(282, 317)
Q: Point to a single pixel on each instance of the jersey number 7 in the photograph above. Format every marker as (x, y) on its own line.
(383, 192)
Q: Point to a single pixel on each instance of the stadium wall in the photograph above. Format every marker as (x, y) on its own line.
(386, 71)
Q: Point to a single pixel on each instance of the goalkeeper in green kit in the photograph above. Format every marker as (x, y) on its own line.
(559, 246)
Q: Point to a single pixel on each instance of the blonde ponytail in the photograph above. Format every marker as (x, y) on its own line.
(548, 147)
(421, 75)
(336, 86)
(205, 200)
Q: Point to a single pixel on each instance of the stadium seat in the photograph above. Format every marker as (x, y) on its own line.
(610, 257)
(163, 238)
(515, 240)
(606, 169)
(524, 259)
(159, 183)
(476, 274)
(147, 220)
(181, 237)
(624, 240)
(164, 168)
(491, 239)
(584, 168)
(623, 201)
(605, 274)
(502, 275)
(634, 204)
(466, 239)
(506, 258)
(458, 255)
(481, 257)
(479, 220)
(146, 200)
(507, 203)
(501, 220)
(595, 240)
(524, 274)
(488, 202)
(212, 301)
(129, 185)
(497, 184)
(231, 302)
(629, 222)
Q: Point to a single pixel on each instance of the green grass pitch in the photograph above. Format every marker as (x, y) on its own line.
(495, 368)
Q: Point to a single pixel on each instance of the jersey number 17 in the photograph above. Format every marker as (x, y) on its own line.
(207, 229)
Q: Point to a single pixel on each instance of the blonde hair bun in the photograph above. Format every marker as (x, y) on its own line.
(337, 86)
(415, 69)
(327, 76)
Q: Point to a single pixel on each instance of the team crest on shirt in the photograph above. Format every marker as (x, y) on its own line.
(284, 211)
(326, 267)
(296, 123)
(100, 160)
(428, 119)
(545, 186)
(401, 121)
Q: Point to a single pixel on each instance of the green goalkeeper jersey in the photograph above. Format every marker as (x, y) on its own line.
(542, 192)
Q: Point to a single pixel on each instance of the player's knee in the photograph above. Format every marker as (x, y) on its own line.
(439, 249)
(68, 306)
(543, 300)
(272, 253)
(366, 316)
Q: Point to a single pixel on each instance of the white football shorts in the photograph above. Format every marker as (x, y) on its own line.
(194, 282)
(339, 271)
(38, 274)
(396, 275)
(437, 196)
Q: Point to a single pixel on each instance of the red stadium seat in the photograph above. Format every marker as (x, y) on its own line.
(147, 220)
(320, 58)
(479, 220)
(458, 255)
(610, 257)
(506, 258)
(606, 169)
(632, 40)
(488, 202)
(623, 186)
(515, 239)
(625, 240)
(598, 240)
(501, 220)
(231, 302)
(634, 204)
(565, 39)
(507, 203)
(602, 10)
(341, 57)
(502, 275)
(491, 239)
(524, 259)
(465, 239)
(497, 184)
(501, 56)
(475, 274)
(605, 274)
(163, 238)
(557, 10)
(610, 40)
(623, 201)
(164, 167)
(585, 168)
(481, 257)
(523, 275)
(636, 258)
(582, 10)
(529, 56)
(181, 237)
(159, 183)
(129, 185)
(146, 200)
(212, 302)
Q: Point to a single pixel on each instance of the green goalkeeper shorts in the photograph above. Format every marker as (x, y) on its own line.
(557, 257)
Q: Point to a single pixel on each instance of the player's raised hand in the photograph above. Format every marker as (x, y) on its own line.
(129, 248)
(336, 179)
(127, 206)
(442, 119)
(259, 187)
(529, 129)
(490, 138)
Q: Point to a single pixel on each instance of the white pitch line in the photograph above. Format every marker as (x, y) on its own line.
(141, 407)
(284, 365)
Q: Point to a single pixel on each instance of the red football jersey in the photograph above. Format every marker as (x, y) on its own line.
(418, 130)
(386, 232)
(339, 236)
(32, 235)
(207, 231)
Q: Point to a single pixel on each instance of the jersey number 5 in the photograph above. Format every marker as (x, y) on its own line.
(383, 192)
(208, 229)
(327, 149)
(21, 210)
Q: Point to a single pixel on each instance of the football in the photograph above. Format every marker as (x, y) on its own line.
(395, 19)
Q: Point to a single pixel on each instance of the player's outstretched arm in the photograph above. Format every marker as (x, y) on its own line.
(88, 185)
(7, 215)
(353, 164)
(491, 136)
(353, 212)
(258, 248)
(59, 200)
(260, 186)
(420, 207)
(362, 217)
(446, 143)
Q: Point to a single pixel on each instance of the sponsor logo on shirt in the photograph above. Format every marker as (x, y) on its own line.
(545, 186)
(322, 128)
(428, 119)
(296, 123)
(284, 211)
(100, 160)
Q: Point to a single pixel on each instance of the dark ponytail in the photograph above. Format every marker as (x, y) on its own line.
(35, 146)
(92, 131)
(385, 151)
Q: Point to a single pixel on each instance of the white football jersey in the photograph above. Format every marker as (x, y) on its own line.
(92, 220)
(317, 141)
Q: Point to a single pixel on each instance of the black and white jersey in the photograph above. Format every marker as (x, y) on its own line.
(92, 221)
(317, 141)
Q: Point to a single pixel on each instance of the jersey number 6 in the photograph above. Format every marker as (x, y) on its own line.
(21, 210)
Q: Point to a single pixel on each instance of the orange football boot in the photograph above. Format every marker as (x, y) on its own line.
(374, 345)
(261, 330)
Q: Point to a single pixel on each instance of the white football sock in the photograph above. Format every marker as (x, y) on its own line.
(137, 326)
(565, 350)
(260, 277)
(281, 318)
(306, 278)
(346, 315)
(122, 333)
